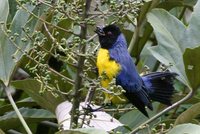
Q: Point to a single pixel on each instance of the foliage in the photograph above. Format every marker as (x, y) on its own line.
(83, 131)
(55, 44)
(172, 43)
(185, 128)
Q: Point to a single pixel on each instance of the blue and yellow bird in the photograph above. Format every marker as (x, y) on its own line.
(114, 61)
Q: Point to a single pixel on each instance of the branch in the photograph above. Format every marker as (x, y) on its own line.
(50, 35)
(48, 51)
(17, 110)
(188, 96)
(26, 53)
(78, 79)
(44, 21)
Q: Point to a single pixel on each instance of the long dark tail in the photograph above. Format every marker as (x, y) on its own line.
(160, 86)
(140, 100)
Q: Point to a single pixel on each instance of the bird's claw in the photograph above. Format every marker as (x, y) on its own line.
(90, 109)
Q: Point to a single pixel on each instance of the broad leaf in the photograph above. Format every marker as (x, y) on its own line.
(192, 66)
(32, 88)
(144, 35)
(169, 51)
(8, 107)
(135, 118)
(10, 45)
(21, 20)
(189, 114)
(4, 9)
(12, 10)
(11, 120)
(173, 38)
(185, 129)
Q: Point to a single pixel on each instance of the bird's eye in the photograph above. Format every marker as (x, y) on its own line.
(109, 33)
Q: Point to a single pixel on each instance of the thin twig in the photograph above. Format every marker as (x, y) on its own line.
(88, 100)
(48, 23)
(47, 51)
(50, 35)
(17, 110)
(119, 110)
(91, 38)
(188, 96)
(89, 96)
(52, 70)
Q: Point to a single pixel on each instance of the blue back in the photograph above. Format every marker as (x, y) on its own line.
(128, 77)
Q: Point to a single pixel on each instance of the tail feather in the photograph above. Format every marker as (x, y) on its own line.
(140, 100)
(160, 86)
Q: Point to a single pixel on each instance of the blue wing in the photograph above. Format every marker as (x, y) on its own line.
(128, 77)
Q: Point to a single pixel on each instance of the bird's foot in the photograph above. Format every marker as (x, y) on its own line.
(90, 109)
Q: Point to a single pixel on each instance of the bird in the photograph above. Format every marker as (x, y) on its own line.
(115, 62)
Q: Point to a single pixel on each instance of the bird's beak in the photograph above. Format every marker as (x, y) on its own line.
(99, 31)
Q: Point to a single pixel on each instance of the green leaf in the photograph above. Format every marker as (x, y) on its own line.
(135, 118)
(8, 107)
(20, 21)
(12, 10)
(192, 66)
(168, 5)
(189, 114)
(190, 3)
(83, 131)
(32, 88)
(9, 50)
(66, 24)
(173, 38)
(190, 37)
(146, 28)
(4, 10)
(30, 115)
(185, 129)
(169, 51)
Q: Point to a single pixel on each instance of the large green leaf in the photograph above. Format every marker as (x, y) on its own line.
(26, 103)
(145, 27)
(169, 51)
(189, 114)
(192, 66)
(134, 119)
(4, 9)
(9, 50)
(185, 129)
(12, 10)
(11, 120)
(173, 38)
(21, 20)
(32, 88)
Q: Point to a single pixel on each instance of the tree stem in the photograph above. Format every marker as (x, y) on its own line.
(78, 79)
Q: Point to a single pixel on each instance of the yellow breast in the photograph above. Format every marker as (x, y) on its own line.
(110, 68)
(106, 66)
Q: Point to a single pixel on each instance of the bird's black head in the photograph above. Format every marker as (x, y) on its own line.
(108, 35)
